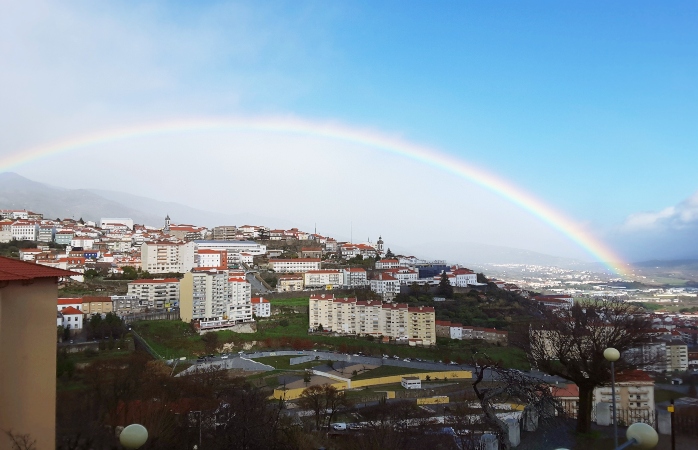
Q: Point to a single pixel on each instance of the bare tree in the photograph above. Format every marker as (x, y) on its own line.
(569, 343)
(512, 386)
(21, 441)
(324, 400)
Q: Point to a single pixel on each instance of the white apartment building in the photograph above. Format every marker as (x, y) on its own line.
(211, 258)
(355, 277)
(167, 257)
(404, 276)
(327, 278)
(240, 308)
(297, 265)
(387, 264)
(25, 230)
(84, 242)
(203, 295)
(112, 224)
(634, 393)
(677, 356)
(5, 231)
(47, 233)
(386, 285)
(463, 278)
(157, 293)
(262, 307)
(231, 247)
(15, 214)
(349, 316)
(29, 254)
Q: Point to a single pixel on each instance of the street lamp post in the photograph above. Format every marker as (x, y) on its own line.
(613, 355)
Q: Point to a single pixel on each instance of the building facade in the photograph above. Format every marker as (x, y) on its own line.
(350, 316)
(167, 257)
(327, 278)
(158, 293)
(296, 265)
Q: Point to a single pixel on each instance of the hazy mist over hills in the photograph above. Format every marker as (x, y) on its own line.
(17, 191)
(92, 204)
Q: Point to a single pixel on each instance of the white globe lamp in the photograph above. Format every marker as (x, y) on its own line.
(133, 436)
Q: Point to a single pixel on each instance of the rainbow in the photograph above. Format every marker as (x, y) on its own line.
(391, 144)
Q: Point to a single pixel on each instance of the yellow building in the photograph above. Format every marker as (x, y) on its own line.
(97, 305)
(28, 294)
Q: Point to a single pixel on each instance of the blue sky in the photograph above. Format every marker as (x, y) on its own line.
(590, 106)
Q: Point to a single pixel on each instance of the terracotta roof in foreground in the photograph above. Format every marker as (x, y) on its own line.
(16, 270)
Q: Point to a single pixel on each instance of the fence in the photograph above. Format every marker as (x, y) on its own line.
(155, 315)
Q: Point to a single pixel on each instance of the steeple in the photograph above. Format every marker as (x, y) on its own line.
(166, 230)
(379, 245)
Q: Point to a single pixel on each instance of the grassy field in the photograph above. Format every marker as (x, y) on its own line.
(173, 339)
(300, 301)
(283, 363)
(663, 395)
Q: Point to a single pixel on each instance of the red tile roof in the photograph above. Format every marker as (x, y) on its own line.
(571, 390)
(70, 311)
(69, 301)
(632, 375)
(15, 270)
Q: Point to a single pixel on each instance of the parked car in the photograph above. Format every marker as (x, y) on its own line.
(339, 426)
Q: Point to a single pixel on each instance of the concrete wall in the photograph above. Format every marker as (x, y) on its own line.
(28, 361)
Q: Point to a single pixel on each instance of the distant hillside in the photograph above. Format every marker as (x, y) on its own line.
(475, 254)
(18, 192)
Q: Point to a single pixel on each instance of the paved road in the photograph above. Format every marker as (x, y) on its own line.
(257, 286)
(245, 362)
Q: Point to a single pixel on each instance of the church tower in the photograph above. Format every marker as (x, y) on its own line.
(379, 245)
(166, 230)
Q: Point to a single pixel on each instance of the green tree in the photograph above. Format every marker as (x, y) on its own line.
(90, 274)
(445, 289)
(130, 273)
(389, 254)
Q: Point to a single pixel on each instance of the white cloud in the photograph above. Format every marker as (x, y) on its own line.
(678, 217)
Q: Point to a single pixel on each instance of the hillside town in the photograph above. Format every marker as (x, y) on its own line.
(234, 278)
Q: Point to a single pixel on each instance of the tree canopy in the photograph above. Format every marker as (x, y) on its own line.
(569, 343)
